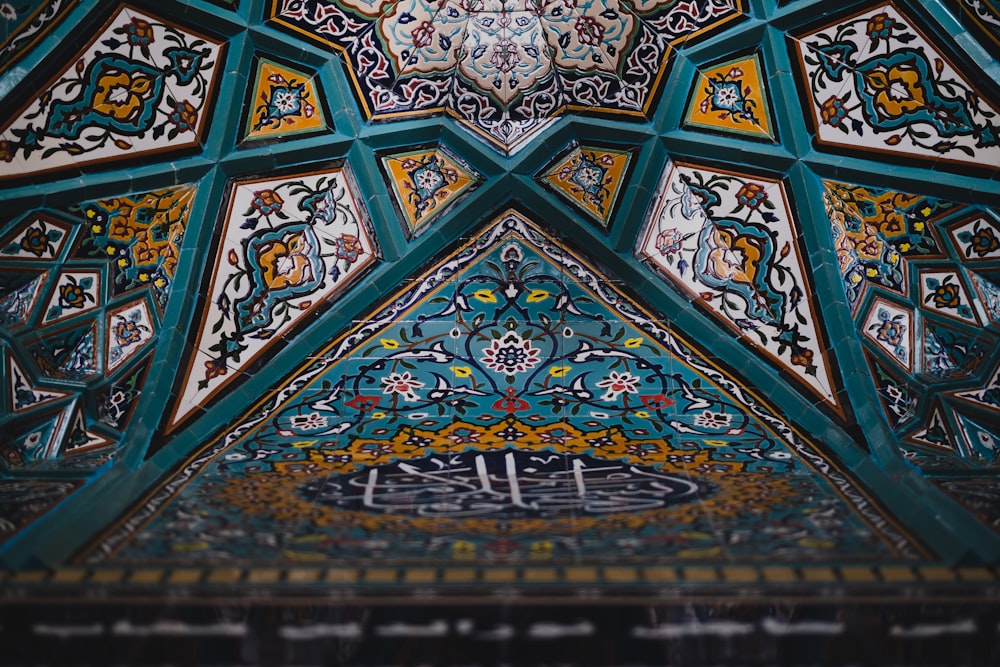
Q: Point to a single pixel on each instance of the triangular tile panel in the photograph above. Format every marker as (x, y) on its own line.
(39, 238)
(117, 402)
(286, 249)
(731, 98)
(977, 239)
(988, 288)
(68, 354)
(730, 241)
(981, 440)
(935, 433)
(490, 408)
(950, 352)
(898, 401)
(23, 394)
(876, 82)
(424, 183)
(988, 396)
(19, 292)
(142, 85)
(284, 102)
(590, 178)
(128, 328)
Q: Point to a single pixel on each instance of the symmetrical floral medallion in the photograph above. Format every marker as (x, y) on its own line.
(508, 405)
(504, 68)
(730, 241)
(425, 182)
(876, 82)
(590, 178)
(141, 86)
(80, 320)
(24, 23)
(286, 248)
(284, 102)
(731, 97)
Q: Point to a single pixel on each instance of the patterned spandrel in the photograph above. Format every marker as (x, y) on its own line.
(287, 248)
(142, 86)
(590, 178)
(504, 68)
(493, 403)
(875, 82)
(24, 23)
(890, 327)
(730, 241)
(284, 102)
(68, 354)
(424, 183)
(732, 98)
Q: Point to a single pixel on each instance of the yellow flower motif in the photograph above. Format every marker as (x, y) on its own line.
(559, 371)
(304, 443)
(94, 228)
(390, 343)
(541, 549)
(855, 278)
(642, 414)
(537, 295)
(143, 277)
(904, 247)
(111, 251)
(871, 272)
(485, 295)
(919, 226)
(378, 415)
(926, 211)
(462, 371)
(715, 443)
(633, 342)
(159, 282)
(123, 262)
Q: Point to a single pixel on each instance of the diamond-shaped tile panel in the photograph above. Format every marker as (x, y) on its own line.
(142, 85)
(876, 231)
(875, 82)
(19, 292)
(730, 241)
(731, 98)
(977, 239)
(284, 101)
(39, 237)
(288, 246)
(891, 328)
(944, 292)
(590, 178)
(75, 292)
(424, 183)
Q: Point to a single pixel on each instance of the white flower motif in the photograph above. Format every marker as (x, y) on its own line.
(618, 384)
(510, 355)
(709, 419)
(403, 384)
(7, 12)
(309, 422)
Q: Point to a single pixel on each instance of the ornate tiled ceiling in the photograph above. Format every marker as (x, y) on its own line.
(307, 284)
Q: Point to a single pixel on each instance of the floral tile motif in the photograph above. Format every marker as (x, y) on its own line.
(988, 396)
(424, 183)
(24, 500)
(504, 68)
(287, 248)
(977, 239)
(68, 354)
(891, 328)
(876, 231)
(141, 86)
(24, 23)
(129, 328)
(75, 292)
(952, 353)
(730, 241)
(945, 292)
(23, 395)
(524, 399)
(982, 442)
(283, 102)
(898, 401)
(876, 83)
(590, 178)
(731, 98)
(34, 439)
(40, 237)
(935, 433)
(117, 401)
(20, 290)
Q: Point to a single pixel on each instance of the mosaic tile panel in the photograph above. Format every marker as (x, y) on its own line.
(590, 178)
(988, 290)
(424, 183)
(24, 500)
(24, 23)
(504, 68)
(81, 320)
(935, 433)
(286, 248)
(141, 86)
(980, 439)
(986, 396)
(284, 102)
(730, 241)
(875, 82)
(510, 405)
(977, 239)
(732, 98)
(891, 328)
(952, 353)
(898, 400)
